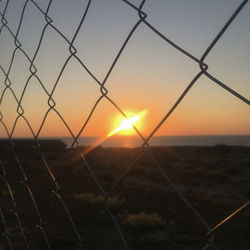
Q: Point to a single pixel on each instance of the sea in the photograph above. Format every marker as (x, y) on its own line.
(133, 141)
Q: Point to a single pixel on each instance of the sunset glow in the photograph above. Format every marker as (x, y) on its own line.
(149, 72)
(126, 125)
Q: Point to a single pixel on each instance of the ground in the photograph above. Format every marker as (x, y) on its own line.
(216, 180)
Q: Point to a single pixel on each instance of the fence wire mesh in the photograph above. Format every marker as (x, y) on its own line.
(16, 174)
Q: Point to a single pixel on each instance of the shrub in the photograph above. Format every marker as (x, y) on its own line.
(143, 220)
(94, 199)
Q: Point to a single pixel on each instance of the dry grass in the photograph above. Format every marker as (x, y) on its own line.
(94, 199)
(144, 220)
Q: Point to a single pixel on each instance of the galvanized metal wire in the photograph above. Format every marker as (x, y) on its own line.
(103, 95)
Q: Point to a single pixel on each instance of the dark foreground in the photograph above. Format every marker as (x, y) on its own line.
(216, 180)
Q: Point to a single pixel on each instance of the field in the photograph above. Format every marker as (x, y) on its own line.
(216, 180)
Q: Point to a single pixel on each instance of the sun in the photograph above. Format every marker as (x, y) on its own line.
(123, 126)
(128, 124)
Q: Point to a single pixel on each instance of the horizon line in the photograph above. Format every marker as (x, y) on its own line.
(96, 136)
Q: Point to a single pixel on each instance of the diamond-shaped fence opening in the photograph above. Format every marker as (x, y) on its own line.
(19, 74)
(50, 57)
(32, 22)
(99, 40)
(9, 109)
(67, 68)
(13, 14)
(60, 17)
(37, 106)
(7, 40)
(86, 91)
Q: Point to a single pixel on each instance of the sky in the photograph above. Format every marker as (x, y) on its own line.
(149, 75)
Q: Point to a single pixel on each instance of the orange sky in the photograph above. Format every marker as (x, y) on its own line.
(150, 74)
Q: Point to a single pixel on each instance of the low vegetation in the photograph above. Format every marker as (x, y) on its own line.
(216, 180)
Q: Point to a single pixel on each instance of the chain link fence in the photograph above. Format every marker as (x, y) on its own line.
(14, 234)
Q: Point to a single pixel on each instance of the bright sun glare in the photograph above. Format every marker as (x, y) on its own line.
(124, 126)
